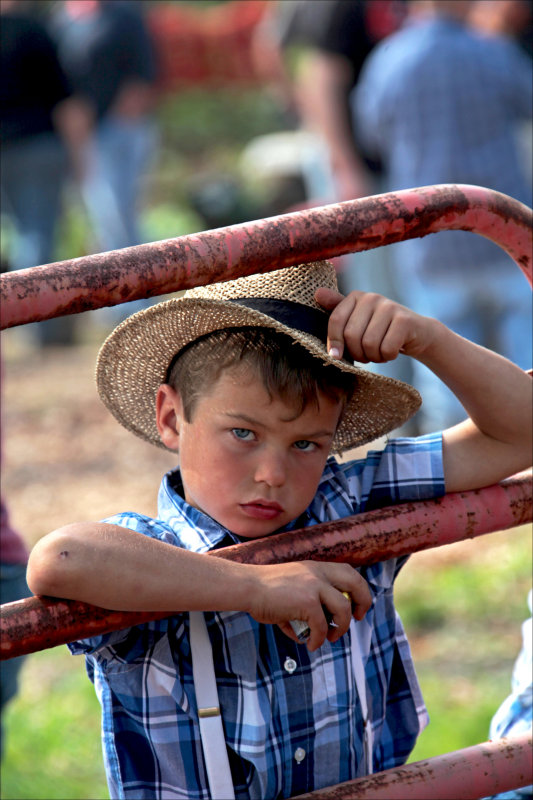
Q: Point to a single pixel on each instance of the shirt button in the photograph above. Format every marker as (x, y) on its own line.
(290, 664)
(299, 754)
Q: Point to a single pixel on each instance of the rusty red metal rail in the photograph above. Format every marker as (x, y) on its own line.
(37, 623)
(478, 771)
(148, 270)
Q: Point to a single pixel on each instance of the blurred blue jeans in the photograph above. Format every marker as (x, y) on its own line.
(118, 157)
(33, 174)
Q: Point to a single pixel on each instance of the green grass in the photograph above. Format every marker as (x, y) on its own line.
(464, 619)
(52, 733)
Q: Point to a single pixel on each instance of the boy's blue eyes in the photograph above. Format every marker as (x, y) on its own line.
(304, 444)
(242, 433)
(246, 435)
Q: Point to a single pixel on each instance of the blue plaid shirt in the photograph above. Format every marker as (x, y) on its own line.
(275, 696)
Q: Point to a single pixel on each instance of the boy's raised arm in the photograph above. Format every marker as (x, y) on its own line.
(496, 439)
(121, 569)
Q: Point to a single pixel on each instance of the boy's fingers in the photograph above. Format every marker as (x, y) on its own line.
(319, 633)
(288, 631)
(392, 343)
(341, 309)
(328, 298)
(372, 338)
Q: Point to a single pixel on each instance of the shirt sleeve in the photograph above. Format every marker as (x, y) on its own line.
(407, 469)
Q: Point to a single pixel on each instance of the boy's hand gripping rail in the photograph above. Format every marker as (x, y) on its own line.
(148, 270)
(40, 622)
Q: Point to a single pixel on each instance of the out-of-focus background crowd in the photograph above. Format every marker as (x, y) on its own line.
(126, 122)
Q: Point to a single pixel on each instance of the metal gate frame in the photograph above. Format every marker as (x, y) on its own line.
(148, 270)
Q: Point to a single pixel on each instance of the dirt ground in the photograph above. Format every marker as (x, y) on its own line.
(65, 458)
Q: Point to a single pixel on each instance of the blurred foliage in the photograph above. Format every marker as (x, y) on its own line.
(463, 616)
(52, 733)
(215, 124)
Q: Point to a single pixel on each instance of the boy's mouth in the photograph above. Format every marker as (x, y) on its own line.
(262, 509)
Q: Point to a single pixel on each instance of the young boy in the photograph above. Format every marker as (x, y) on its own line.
(252, 382)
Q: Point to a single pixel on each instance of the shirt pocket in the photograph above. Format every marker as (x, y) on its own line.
(155, 678)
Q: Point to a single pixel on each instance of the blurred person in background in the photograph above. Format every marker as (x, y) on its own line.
(106, 50)
(512, 18)
(331, 40)
(440, 102)
(42, 132)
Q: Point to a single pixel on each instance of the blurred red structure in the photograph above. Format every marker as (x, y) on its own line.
(206, 46)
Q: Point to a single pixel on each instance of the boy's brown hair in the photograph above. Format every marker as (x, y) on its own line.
(286, 370)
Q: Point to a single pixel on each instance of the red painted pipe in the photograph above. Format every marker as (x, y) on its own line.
(397, 530)
(148, 270)
(478, 771)
(40, 622)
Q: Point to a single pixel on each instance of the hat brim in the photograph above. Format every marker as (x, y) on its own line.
(134, 360)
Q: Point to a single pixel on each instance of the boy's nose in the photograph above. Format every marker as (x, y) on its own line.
(271, 469)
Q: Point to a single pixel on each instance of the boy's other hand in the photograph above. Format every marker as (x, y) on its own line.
(304, 591)
(373, 328)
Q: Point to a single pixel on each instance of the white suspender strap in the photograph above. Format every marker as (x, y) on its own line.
(358, 665)
(210, 719)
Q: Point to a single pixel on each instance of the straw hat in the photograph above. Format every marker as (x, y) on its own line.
(135, 358)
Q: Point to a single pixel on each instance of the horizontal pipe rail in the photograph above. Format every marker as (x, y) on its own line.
(484, 769)
(148, 270)
(37, 623)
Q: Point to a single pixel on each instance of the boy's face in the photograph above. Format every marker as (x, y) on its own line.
(245, 458)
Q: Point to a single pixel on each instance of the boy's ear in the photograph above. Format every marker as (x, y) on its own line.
(169, 415)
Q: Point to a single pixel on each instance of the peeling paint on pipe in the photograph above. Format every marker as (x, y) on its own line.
(37, 623)
(484, 769)
(149, 270)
